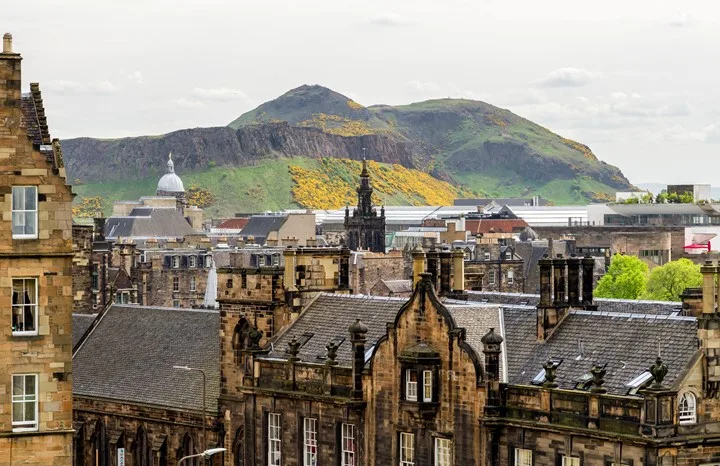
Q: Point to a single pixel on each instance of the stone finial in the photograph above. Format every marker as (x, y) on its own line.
(491, 339)
(550, 376)
(293, 350)
(658, 370)
(598, 373)
(7, 43)
(254, 335)
(358, 329)
(332, 350)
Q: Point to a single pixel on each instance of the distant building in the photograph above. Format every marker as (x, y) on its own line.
(699, 192)
(365, 229)
(283, 229)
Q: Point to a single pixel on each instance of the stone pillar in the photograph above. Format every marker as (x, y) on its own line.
(344, 282)
(545, 266)
(433, 266)
(492, 347)
(708, 289)
(559, 277)
(445, 266)
(458, 257)
(357, 338)
(588, 266)
(418, 264)
(573, 281)
(289, 276)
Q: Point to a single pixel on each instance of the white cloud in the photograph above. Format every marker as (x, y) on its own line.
(422, 87)
(221, 93)
(567, 77)
(182, 102)
(64, 87)
(681, 20)
(136, 77)
(389, 19)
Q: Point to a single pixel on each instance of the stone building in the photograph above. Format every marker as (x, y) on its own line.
(367, 269)
(494, 266)
(140, 374)
(36, 260)
(365, 229)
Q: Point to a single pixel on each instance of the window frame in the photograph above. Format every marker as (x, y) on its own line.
(427, 384)
(411, 388)
(688, 415)
(310, 456)
(569, 460)
(491, 277)
(176, 284)
(406, 450)
(24, 211)
(443, 453)
(274, 442)
(510, 278)
(24, 426)
(36, 308)
(176, 303)
(520, 459)
(347, 444)
(193, 284)
(175, 262)
(192, 262)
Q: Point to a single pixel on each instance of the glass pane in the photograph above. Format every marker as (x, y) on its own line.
(29, 319)
(30, 198)
(17, 412)
(30, 219)
(30, 385)
(18, 198)
(29, 291)
(18, 223)
(18, 385)
(30, 411)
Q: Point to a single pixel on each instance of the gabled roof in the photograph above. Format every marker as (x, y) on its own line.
(260, 226)
(80, 323)
(149, 222)
(627, 343)
(35, 123)
(329, 317)
(130, 354)
(398, 286)
(119, 279)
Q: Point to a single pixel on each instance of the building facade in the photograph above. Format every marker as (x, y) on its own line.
(36, 259)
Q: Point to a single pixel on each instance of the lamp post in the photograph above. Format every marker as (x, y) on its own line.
(205, 455)
(204, 444)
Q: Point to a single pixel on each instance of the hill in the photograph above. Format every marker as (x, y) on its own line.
(469, 144)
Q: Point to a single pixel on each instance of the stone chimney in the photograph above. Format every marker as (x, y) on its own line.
(573, 281)
(357, 338)
(10, 87)
(458, 282)
(7, 43)
(445, 266)
(433, 266)
(692, 301)
(418, 264)
(551, 309)
(545, 266)
(492, 347)
(559, 264)
(709, 291)
(99, 229)
(588, 269)
(344, 272)
(709, 330)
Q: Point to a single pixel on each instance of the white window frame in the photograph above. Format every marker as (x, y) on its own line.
(411, 388)
(208, 261)
(192, 262)
(22, 212)
(347, 440)
(491, 277)
(176, 303)
(570, 460)
(193, 284)
(310, 447)
(523, 457)
(176, 284)
(407, 449)
(175, 262)
(274, 436)
(687, 409)
(24, 398)
(261, 260)
(443, 451)
(510, 277)
(21, 307)
(427, 376)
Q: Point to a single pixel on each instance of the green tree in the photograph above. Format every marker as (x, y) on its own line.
(667, 282)
(626, 278)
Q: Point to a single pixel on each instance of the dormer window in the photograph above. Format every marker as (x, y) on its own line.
(176, 262)
(420, 365)
(411, 382)
(427, 386)
(193, 261)
(687, 412)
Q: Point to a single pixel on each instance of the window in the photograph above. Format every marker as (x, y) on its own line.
(686, 412)
(273, 439)
(276, 259)
(208, 261)
(407, 449)
(348, 445)
(24, 402)
(176, 283)
(570, 461)
(427, 386)
(24, 212)
(193, 286)
(261, 261)
(122, 297)
(176, 303)
(310, 442)
(175, 262)
(491, 277)
(192, 261)
(510, 277)
(486, 255)
(443, 448)
(95, 278)
(411, 383)
(24, 306)
(523, 457)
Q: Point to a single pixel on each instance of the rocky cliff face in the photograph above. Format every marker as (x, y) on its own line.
(92, 160)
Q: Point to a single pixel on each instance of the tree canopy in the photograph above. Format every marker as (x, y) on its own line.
(626, 278)
(666, 283)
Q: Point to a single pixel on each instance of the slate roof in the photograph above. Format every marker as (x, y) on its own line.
(329, 317)
(260, 226)
(398, 286)
(34, 121)
(80, 323)
(149, 222)
(130, 354)
(628, 343)
(604, 304)
(477, 321)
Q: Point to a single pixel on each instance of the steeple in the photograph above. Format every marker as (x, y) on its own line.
(365, 191)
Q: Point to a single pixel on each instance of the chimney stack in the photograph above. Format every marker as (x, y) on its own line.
(545, 266)
(709, 290)
(7, 43)
(433, 266)
(559, 278)
(418, 264)
(445, 265)
(458, 257)
(492, 347)
(573, 276)
(588, 267)
(357, 338)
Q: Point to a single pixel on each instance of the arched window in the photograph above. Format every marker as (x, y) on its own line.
(142, 453)
(163, 454)
(79, 447)
(187, 448)
(239, 447)
(101, 447)
(687, 412)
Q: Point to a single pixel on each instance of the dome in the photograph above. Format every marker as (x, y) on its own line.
(170, 182)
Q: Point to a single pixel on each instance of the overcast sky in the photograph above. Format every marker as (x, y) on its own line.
(636, 80)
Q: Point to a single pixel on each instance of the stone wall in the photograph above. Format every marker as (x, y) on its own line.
(369, 268)
(83, 298)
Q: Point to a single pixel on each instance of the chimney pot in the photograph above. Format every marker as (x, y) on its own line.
(7, 43)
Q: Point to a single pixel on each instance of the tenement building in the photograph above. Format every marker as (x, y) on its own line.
(365, 229)
(455, 377)
(36, 258)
